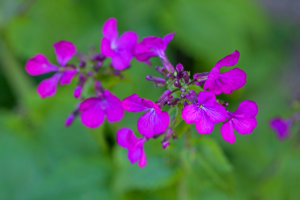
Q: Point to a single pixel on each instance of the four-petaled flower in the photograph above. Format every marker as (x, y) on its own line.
(94, 109)
(119, 49)
(204, 112)
(39, 64)
(127, 140)
(242, 120)
(234, 79)
(154, 121)
(281, 127)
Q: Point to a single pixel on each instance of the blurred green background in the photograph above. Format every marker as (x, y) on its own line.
(41, 159)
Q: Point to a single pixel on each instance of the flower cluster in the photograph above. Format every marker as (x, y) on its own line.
(196, 104)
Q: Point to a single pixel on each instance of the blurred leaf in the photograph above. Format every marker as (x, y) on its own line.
(178, 116)
(205, 163)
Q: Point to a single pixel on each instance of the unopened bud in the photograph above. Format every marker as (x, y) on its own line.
(166, 96)
(179, 67)
(81, 82)
(167, 137)
(162, 70)
(192, 96)
(201, 78)
(173, 102)
(177, 84)
(186, 77)
(182, 96)
(158, 82)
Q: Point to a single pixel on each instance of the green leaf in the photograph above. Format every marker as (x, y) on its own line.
(205, 162)
(178, 115)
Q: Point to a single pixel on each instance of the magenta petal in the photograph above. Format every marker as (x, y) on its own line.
(92, 112)
(155, 43)
(39, 65)
(211, 78)
(244, 126)
(227, 131)
(110, 30)
(246, 109)
(121, 59)
(67, 76)
(204, 125)
(105, 47)
(64, 51)
(216, 112)
(143, 159)
(133, 104)
(191, 113)
(122, 136)
(151, 123)
(48, 86)
(143, 54)
(149, 104)
(229, 60)
(77, 91)
(134, 156)
(127, 40)
(113, 107)
(206, 98)
(131, 141)
(236, 78)
(167, 39)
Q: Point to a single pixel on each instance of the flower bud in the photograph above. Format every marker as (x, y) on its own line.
(166, 96)
(80, 84)
(177, 84)
(179, 67)
(173, 102)
(171, 76)
(201, 77)
(98, 57)
(71, 117)
(186, 77)
(192, 96)
(162, 70)
(98, 88)
(158, 82)
(167, 137)
(182, 96)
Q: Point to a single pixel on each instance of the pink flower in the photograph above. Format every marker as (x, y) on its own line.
(281, 127)
(94, 109)
(119, 49)
(39, 64)
(242, 120)
(154, 121)
(127, 140)
(204, 112)
(234, 79)
(154, 46)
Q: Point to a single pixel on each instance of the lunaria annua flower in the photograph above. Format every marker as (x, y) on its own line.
(234, 79)
(119, 49)
(281, 127)
(242, 120)
(135, 146)
(154, 121)
(39, 64)
(204, 112)
(94, 109)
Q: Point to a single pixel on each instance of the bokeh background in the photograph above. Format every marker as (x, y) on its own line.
(42, 159)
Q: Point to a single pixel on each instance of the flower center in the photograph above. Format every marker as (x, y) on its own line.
(200, 106)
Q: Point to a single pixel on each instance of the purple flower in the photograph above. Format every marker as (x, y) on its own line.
(127, 140)
(94, 109)
(204, 112)
(154, 121)
(39, 64)
(234, 79)
(242, 120)
(154, 46)
(281, 127)
(119, 49)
